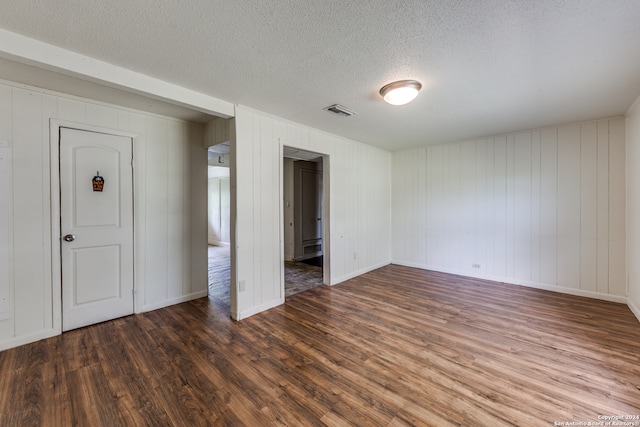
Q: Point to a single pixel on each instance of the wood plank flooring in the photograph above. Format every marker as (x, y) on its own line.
(394, 347)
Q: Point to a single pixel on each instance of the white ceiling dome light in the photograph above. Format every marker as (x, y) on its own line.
(400, 92)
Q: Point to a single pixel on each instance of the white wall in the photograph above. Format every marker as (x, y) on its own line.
(5, 244)
(170, 210)
(219, 201)
(543, 208)
(633, 206)
(358, 211)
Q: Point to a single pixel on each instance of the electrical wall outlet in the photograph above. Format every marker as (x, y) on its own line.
(475, 265)
(242, 286)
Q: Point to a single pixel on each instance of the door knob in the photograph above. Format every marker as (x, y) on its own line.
(69, 238)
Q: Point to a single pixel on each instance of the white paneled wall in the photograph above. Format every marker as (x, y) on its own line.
(170, 206)
(359, 216)
(5, 201)
(543, 208)
(633, 205)
(219, 211)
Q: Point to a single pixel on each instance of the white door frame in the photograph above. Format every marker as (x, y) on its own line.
(56, 255)
(326, 218)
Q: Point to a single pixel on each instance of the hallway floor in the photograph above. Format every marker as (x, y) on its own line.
(219, 273)
(298, 276)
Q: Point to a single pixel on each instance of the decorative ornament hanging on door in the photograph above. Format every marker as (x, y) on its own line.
(98, 182)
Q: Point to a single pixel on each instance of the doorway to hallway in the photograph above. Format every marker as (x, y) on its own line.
(219, 223)
(303, 207)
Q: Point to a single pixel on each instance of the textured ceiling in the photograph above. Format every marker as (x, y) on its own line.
(487, 67)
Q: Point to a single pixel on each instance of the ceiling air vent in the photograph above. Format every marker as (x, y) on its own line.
(339, 110)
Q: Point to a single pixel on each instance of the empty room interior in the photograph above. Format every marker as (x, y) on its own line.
(380, 213)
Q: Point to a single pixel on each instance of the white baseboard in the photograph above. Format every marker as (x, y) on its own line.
(530, 284)
(243, 314)
(634, 308)
(335, 281)
(173, 301)
(48, 333)
(27, 339)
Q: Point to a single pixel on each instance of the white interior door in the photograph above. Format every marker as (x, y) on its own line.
(96, 227)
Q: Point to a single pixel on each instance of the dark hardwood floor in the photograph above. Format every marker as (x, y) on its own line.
(394, 347)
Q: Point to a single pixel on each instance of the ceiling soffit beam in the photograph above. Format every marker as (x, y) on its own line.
(28, 51)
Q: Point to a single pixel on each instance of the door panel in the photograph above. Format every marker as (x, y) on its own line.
(99, 281)
(308, 209)
(97, 260)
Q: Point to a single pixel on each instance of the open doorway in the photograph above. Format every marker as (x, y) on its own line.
(219, 220)
(303, 205)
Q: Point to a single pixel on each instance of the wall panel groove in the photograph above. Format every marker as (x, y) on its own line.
(359, 205)
(632, 138)
(168, 225)
(550, 214)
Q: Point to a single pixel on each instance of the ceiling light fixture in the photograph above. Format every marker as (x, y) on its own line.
(400, 92)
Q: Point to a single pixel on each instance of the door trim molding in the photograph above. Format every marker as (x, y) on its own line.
(326, 209)
(56, 255)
